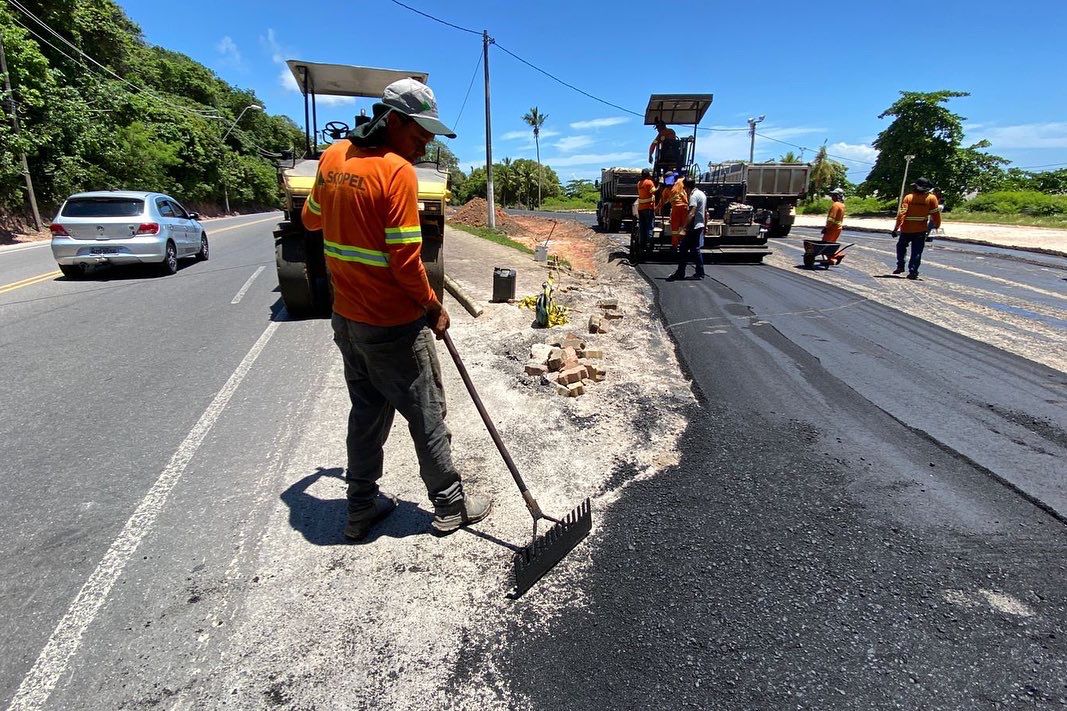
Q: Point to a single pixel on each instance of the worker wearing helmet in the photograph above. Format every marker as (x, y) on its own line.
(918, 214)
(365, 201)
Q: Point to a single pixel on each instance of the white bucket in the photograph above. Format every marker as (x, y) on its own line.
(541, 253)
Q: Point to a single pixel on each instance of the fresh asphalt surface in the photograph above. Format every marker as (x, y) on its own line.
(845, 528)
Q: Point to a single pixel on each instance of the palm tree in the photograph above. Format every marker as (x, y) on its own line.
(789, 157)
(822, 174)
(536, 119)
(505, 180)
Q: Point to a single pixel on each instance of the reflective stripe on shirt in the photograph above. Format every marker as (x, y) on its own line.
(403, 235)
(921, 218)
(348, 253)
(314, 206)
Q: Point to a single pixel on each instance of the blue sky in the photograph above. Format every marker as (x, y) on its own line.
(819, 71)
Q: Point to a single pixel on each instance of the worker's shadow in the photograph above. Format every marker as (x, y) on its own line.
(322, 521)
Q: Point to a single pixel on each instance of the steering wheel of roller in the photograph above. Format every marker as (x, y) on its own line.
(335, 130)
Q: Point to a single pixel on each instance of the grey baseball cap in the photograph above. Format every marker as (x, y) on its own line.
(413, 99)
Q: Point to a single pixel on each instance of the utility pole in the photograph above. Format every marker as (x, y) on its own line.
(225, 183)
(491, 219)
(752, 137)
(10, 104)
(907, 163)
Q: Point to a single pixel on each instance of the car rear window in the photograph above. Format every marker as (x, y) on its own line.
(103, 207)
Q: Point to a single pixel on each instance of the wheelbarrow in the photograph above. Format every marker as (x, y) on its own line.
(826, 253)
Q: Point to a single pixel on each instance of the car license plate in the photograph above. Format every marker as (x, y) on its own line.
(104, 250)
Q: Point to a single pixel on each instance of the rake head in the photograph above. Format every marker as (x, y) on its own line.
(543, 553)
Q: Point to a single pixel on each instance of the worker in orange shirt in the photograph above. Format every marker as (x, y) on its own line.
(646, 208)
(678, 198)
(835, 221)
(365, 201)
(664, 134)
(918, 214)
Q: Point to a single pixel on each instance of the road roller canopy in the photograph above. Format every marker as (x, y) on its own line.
(677, 108)
(345, 79)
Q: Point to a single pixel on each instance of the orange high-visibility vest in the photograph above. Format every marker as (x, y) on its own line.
(916, 212)
(645, 194)
(835, 220)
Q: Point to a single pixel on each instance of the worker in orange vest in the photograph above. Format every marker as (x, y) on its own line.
(678, 197)
(918, 214)
(835, 221)
(646, 207)
(365, 201)
(664, 134)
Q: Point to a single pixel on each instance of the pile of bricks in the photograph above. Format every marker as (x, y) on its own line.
(609, 311)
(566, 364)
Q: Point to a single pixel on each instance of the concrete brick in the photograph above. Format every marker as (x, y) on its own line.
(571, 375)
(539, 352)
(607, 304)
(535, 368)
(563, 390)
(555, 359)
(589, 353)
(597, 325)
(612, 315)
(575, 389)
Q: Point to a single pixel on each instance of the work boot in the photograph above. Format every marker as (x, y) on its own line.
(898, 270)
(913, 275)
(470, 509)
(676, 276)
(362, 520)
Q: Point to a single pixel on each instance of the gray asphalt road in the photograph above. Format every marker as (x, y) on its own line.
(109, 379)
(842, 530)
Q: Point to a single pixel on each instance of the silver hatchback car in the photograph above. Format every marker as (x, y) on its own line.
(125, 227)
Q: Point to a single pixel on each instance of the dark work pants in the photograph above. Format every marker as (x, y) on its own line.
(392, 369)
(917, 240)
(691, 247)
(646, 219)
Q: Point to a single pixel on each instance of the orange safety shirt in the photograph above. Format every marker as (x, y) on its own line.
(835, 220)
(917, 212)
(645, 194)
(365, 201)
(679, 196)
(666, 134)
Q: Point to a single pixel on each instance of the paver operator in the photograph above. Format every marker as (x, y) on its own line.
(835, 221)
(646, 207)
(919, 213)
(365, 201)
(664, 135)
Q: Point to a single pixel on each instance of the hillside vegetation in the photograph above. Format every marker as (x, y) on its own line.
(133, 116)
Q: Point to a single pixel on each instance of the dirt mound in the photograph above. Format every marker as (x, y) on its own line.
(476, 214)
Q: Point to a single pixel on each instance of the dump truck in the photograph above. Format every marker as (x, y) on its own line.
(303, 277)
(618, 194)
(773, 189)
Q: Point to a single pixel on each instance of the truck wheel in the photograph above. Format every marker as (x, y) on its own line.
(433, 260)
(777, 230)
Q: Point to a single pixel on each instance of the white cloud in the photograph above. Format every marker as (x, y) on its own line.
(599, 159)
(229, 51)
(573, 143)
(855, 151)
(1049, 134)
(285, 75)
(599, 123)
(528, 134)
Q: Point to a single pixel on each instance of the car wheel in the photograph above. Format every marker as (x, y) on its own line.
(170, 261)
(72, 271)
(202, 255)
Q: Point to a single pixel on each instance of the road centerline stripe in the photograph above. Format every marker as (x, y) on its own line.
(28, 281)
(52, 662)
(241, 293)
(275, 218)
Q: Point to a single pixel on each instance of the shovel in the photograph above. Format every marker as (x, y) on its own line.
(536, 559)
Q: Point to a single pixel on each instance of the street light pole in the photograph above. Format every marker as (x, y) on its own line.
(225, 185)
(752, 137)
(907, 163)
(491, 217)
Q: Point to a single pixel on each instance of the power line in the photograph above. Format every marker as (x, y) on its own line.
(1046, 165)
(436, 19)
(19, 6)
(470, 86)
(805, 148)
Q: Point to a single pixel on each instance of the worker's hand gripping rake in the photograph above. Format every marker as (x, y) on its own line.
(543, 553)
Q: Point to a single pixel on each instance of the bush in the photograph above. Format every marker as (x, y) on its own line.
(570, 203)
(853, 206)
(1018, 202)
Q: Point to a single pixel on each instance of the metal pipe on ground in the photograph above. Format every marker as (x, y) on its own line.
(464, 299)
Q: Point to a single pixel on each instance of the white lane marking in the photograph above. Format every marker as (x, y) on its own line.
(241, 293)
(273, 218)
(39, 682)
(939, 265)
(12, 248)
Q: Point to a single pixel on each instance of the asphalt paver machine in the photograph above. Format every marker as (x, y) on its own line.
(731, 229)
(302, 273)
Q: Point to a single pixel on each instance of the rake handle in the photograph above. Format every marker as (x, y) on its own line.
(531, 502)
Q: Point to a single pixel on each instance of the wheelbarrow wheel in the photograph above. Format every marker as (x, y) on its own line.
(809, 261)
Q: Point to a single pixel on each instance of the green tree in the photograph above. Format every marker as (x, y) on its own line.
(535, 119)
(789, 157)
(826, 174)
